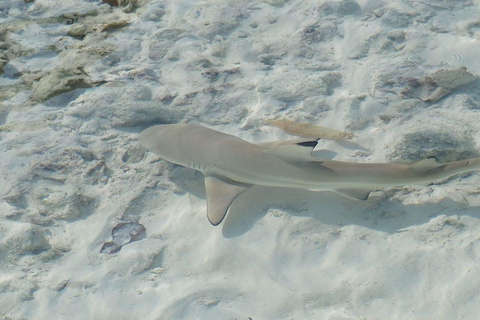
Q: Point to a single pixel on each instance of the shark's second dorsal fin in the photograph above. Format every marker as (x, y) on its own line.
(428, 163)
(220, 194)
(428, 166)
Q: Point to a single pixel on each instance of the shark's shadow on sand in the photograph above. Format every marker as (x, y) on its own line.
(380, 212)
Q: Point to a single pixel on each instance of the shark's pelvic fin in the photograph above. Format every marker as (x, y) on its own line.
(360, 194)
(220, 194)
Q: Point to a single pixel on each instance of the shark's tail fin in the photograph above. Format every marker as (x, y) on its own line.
(444, 170)
(463, 165)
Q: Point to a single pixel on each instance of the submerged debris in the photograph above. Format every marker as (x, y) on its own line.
(438, 84)
(58, 82)
(129, 4)
(309, 131)
(123, 234)
(113, 3)
(85, 44)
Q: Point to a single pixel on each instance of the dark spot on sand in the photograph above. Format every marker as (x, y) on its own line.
(123, 234)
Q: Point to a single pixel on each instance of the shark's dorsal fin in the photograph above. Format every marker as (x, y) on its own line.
(220, 194)
(283, 143)
(294, 150)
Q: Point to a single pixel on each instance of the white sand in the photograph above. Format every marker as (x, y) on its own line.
(71, 168)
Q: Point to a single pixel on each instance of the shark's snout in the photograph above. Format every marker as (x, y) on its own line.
(150, 137)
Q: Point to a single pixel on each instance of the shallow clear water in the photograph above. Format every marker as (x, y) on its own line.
(81, 79)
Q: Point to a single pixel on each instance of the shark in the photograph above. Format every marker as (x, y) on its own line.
(232, 165)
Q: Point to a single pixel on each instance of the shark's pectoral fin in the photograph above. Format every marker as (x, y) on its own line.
(360, 194)
(220, 194)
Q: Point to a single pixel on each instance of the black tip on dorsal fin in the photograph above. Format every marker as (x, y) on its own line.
(311, 144)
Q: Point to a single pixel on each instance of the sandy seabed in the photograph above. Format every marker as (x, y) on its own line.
(80, 79)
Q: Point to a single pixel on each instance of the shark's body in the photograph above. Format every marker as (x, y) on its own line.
(231, 165)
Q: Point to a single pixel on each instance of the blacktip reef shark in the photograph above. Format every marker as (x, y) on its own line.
(232, 165)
